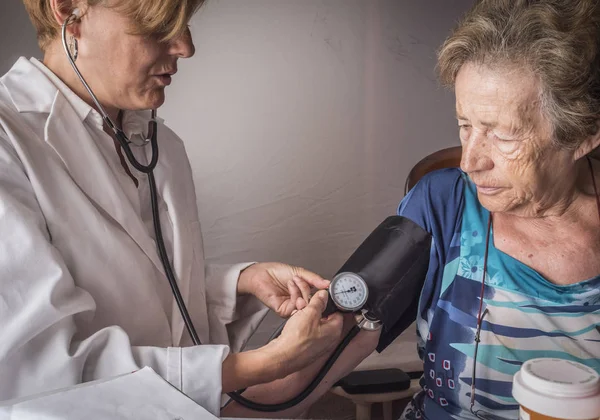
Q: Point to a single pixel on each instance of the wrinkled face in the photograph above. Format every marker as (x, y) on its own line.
(506, 140)
(126, 71)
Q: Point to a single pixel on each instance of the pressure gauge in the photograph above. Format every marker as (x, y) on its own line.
(349, 292)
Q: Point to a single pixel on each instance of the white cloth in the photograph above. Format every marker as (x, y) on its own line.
(83, 293)
(141, 395)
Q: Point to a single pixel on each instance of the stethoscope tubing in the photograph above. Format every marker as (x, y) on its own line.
(149, 170)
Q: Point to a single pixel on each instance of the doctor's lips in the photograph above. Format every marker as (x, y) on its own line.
(165, 78)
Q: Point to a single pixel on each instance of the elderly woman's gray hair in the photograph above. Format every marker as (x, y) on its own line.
(557, 40)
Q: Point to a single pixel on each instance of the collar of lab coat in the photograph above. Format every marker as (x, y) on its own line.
(39, 93)
(34, 88)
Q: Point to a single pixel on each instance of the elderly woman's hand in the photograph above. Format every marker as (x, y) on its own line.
(281, 287)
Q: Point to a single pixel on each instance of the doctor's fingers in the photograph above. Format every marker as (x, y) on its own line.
(304, 287)
(314, 313)
(317, 304)
(325, 331)
(295, 294)
(313, 279)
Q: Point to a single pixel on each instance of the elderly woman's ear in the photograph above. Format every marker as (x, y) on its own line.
(589, 146)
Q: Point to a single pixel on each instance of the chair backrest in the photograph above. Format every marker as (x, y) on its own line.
(445, 158)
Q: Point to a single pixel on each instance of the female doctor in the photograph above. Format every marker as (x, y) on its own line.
(83, 292)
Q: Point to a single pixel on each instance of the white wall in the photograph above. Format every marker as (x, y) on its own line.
(302, 118)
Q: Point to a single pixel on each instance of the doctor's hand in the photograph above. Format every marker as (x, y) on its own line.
(281, 287)
(307, 336)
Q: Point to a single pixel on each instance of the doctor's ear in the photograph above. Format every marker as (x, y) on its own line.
(63, 9)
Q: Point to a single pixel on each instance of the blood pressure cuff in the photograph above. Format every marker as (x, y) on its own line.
(393, 261)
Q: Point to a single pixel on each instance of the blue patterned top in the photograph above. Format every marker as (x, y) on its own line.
(527, 316)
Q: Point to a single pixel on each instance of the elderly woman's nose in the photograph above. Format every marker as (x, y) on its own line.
(182, 46)
(475, 155)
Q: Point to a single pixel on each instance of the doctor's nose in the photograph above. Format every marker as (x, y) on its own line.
(182, 46)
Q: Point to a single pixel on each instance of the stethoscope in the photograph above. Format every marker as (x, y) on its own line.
(146, 169)
(342, 300)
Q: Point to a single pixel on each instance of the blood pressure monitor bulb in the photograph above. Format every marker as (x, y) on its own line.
(349, 292)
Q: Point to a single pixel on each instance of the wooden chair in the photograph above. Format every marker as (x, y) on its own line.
(445, 158)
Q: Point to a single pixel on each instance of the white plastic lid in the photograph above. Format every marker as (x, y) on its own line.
(558, 388)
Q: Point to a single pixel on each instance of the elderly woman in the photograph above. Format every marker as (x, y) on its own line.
(514, 272)
(83, 290)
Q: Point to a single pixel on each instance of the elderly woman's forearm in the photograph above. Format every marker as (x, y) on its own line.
(286, 388)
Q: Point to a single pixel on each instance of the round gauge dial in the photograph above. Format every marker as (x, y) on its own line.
(349, 292)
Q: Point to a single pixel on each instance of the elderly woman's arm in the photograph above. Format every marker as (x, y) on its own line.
(284, 389)
(305, 338)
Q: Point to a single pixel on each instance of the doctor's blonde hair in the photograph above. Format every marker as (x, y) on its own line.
(165, 19)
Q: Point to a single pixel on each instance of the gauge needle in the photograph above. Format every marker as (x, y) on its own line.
(352, 289)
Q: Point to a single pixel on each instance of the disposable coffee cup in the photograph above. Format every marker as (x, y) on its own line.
(557, 389)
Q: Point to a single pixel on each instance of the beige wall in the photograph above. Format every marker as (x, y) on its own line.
(17, 36)
(301, 118)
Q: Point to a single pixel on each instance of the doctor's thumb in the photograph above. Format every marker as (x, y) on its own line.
(319, 301)
(333, 325)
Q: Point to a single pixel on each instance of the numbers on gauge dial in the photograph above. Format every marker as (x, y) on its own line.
(349, 292)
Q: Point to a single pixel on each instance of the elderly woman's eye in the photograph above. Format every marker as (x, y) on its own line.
(506, 146)
(464, 132)
(503, 139)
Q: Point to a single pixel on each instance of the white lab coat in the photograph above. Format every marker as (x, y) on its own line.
(83, 293)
